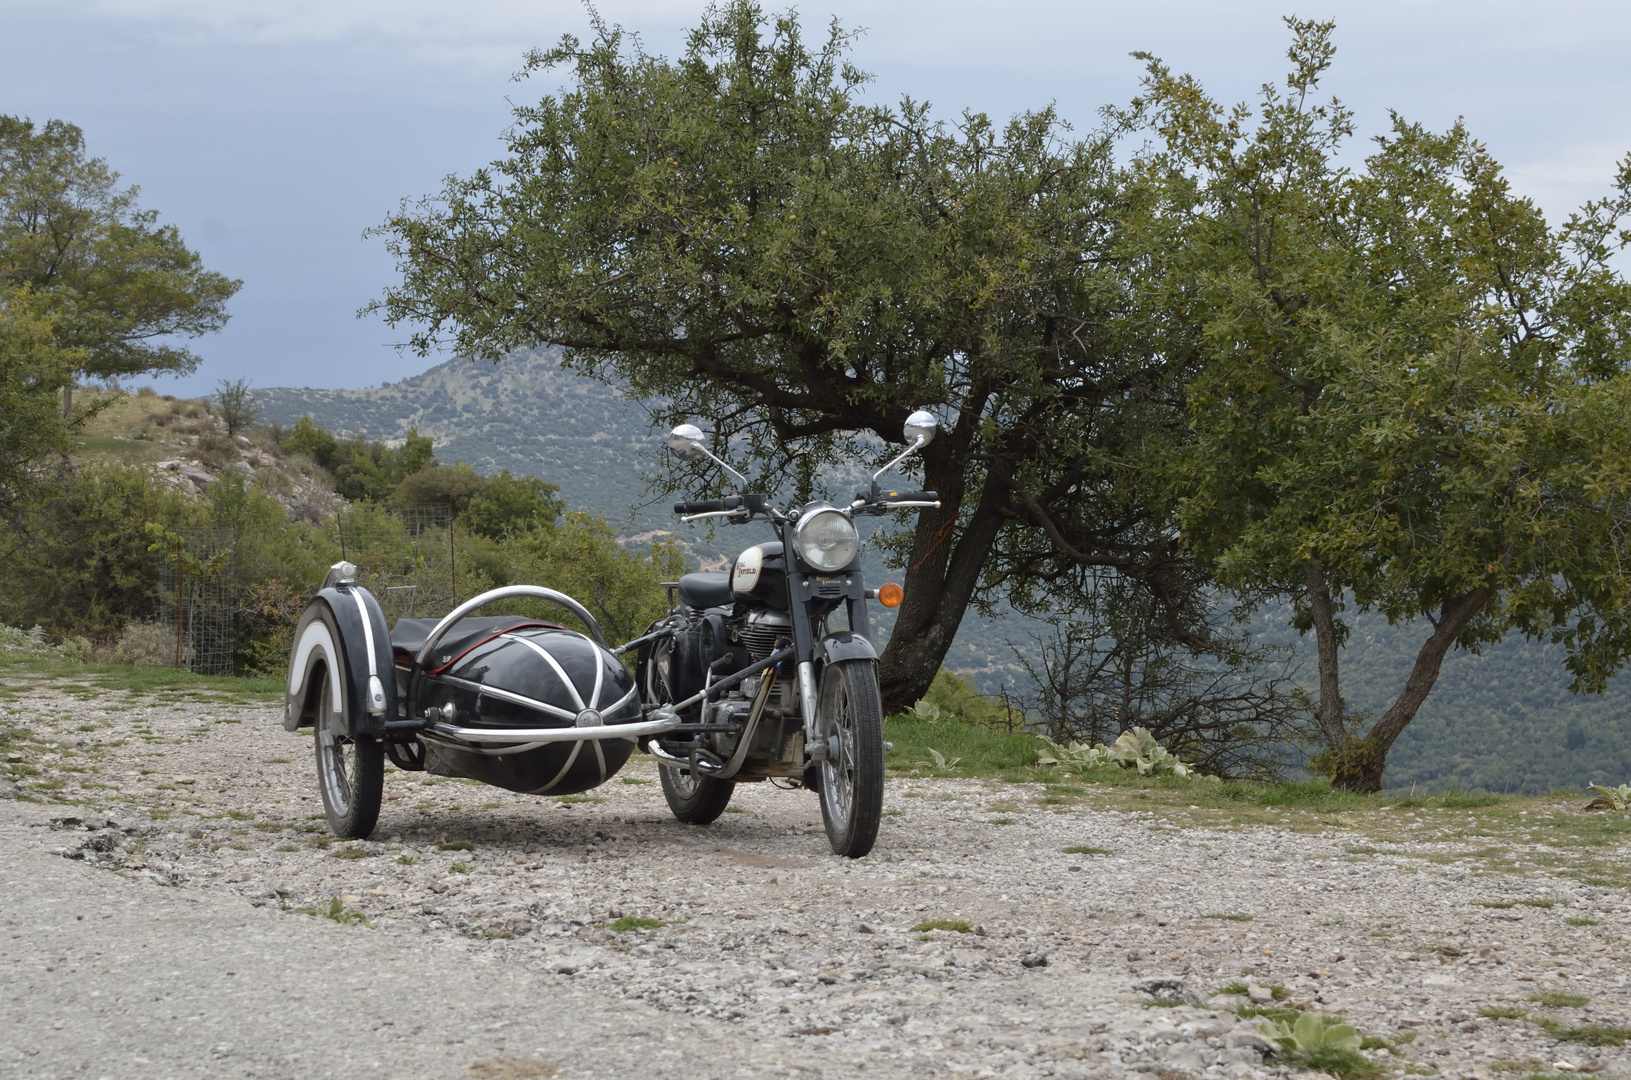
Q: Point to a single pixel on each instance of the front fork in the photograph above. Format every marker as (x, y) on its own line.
(811, 697)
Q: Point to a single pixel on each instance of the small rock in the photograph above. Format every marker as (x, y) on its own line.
(1259, 995)
(1168, 988)
(1035, 960)
(1185, 1056)
(8, 790)
(1246, 1037)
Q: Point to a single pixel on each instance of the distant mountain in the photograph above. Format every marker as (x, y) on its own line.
(1504, 720)
(526, 414)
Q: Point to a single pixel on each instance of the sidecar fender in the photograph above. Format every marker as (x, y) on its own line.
(342, 630)
(846, 645)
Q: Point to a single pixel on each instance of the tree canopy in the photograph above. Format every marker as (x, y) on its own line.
(120, 286)
(1415, 396)
(738, 233)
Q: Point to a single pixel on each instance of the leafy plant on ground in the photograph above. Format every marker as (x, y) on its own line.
(941, 761)
(925, 710)
(1331, 1048)
(633, 922)
(1135, 749)
(1082, 849)
(1608, 798)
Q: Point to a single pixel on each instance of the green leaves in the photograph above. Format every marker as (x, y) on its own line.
(1617, 798)
(1134, 749)
(1310, 1033)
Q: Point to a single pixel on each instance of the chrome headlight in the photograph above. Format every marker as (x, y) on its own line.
(826, 540)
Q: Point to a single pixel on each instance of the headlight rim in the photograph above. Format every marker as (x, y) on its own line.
(800, 533)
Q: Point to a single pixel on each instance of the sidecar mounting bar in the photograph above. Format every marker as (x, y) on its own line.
(667, 631)
(555, 734)
(731, 680)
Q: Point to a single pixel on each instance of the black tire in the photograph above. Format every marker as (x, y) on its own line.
(696, 800)
(852, 774)
(350, 772)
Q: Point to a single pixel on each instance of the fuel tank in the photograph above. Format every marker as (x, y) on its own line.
(532, 677)
(760, 572)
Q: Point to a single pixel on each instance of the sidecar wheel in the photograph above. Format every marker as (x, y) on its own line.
(696, 800)
(851, 786)
(350, 772)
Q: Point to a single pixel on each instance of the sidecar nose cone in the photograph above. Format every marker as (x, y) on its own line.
(589, 718)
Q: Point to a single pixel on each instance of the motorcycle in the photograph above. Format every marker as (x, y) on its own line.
(747, 678)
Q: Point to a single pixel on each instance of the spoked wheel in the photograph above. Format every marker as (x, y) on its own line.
(851, 785)
(350, 772)
(695, 800)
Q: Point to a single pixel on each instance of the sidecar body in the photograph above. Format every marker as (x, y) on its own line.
(512, 701)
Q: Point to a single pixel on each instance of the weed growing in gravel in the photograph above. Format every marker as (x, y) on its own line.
(337, 911)
(569, 800)
(633, 922)
(1577, 920)
(1558, 999)
(1586, 1034)
(240, 815)
(407, 860)
(1499, 904)
(1230, 918)
(287, 847)
(957, 925)
(634, 780)
(1081, 849)
(459, 868)
(456, 845)
(354, 851)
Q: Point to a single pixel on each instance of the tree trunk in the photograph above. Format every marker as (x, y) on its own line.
(1328, 711)
(1363, 767)
(941, 574)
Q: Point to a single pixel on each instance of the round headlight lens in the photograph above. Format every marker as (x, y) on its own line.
(826, 540)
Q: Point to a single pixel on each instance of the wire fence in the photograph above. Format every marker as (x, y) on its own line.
(197, 599)
(404, 556)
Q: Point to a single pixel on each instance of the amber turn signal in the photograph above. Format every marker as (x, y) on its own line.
(890, 594)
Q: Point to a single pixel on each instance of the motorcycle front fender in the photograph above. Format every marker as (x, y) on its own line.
(845, 645)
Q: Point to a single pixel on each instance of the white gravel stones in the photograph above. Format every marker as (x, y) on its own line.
(760, 926)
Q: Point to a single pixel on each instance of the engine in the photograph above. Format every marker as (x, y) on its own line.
(763, 631)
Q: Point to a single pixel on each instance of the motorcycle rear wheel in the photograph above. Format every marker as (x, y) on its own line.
(696, 800)
(851, 787)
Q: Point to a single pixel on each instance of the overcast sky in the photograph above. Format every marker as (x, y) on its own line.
(273, 132)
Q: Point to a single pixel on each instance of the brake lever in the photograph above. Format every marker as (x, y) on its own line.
(741, 511)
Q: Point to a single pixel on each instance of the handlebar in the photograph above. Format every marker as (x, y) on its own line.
(910, 496)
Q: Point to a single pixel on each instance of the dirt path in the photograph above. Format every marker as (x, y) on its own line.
(774, 949)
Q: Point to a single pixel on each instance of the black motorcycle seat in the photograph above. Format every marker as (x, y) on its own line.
(706, 589)
(409, 635)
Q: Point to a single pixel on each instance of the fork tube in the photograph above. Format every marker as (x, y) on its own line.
(807, 691)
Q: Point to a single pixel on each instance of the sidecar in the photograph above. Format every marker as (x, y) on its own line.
(522, 704)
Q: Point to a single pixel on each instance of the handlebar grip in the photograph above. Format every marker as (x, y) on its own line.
(911, 496)
(708, 506)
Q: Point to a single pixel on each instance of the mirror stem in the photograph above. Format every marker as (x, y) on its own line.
(917, 444)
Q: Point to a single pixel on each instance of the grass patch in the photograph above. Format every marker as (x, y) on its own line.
(407, 860)
(1492, 1012)
(1578, 920)
(1500, 905)
(268, 826)
(1540, 903)
(1558, 999)
(240, 815)
(957, 925)
(287, 847)
(571, 800)
(1347, 1064)
(459, 868)
(1586, 1034)
(633, 922)
(1082, 849)
(633, 780)
(966, 750)
(354, 851)
(1232, 918)
(456, 845)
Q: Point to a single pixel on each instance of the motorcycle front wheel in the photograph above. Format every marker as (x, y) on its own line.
(851, 787)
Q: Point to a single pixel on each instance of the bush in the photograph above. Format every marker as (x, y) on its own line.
(140, 644)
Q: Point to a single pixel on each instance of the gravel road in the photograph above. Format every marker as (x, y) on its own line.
(194, 850)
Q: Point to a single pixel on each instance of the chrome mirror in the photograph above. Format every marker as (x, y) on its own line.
(685, 442)
(921, 428)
